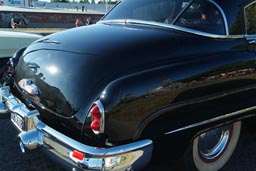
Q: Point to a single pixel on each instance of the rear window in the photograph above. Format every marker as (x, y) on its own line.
(201, 15)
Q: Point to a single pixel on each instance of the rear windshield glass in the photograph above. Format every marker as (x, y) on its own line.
(201, 15)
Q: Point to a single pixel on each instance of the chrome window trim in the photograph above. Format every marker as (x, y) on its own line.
(217, 6)
(181, 12)
(250, 36)
(250, 4)
(168, 26)
(223, 16)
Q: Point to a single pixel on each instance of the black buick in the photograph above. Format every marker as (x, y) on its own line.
(153, 78)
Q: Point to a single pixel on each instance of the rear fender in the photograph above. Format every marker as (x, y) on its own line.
(129, 101)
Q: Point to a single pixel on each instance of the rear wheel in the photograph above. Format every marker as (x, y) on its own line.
(212, 150)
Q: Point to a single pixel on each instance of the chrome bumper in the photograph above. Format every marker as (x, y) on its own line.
(34, 133)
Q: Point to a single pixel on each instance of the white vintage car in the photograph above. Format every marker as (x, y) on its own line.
(10, 41)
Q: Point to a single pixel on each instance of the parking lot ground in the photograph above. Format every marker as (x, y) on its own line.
(12, 159)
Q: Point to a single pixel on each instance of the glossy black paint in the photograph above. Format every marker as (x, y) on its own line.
(153, 81)
(184, 91)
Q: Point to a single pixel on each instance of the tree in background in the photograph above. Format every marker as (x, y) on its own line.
(112, 2)
(64, 1)
(84, 2)
(108, 1)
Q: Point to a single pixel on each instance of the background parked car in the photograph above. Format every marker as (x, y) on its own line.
(10, 42)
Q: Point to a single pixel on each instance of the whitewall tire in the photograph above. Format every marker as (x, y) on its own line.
(212, 150)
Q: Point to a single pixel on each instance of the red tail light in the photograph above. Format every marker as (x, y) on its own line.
(77, 155)
(97, 124)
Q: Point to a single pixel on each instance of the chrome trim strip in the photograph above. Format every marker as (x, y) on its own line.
(102, 118)
(250, 4)
(223, 16)
(169, 26)
(212, 120)
(181, 12)
(245, 26)
(250, 36)
(202, 99)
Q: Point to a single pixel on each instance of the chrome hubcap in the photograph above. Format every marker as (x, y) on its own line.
(212, 143)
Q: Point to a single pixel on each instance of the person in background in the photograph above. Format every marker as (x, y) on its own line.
(78, 22)
(21, 24)
(13, 21)
(210, 14)
(88, 21)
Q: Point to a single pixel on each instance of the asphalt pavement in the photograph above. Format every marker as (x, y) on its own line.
(12, 159)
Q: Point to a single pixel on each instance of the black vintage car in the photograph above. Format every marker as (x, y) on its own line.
(153, 78)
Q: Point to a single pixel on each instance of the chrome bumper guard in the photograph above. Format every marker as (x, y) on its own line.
(34, 133)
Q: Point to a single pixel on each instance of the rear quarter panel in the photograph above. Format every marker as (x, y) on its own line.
(211, 83)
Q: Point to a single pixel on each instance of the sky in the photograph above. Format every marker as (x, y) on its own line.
(96, 1)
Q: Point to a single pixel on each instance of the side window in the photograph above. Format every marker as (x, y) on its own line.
(204, 16)
(250, 18)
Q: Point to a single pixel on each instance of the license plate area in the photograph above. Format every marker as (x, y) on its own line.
(18, 121)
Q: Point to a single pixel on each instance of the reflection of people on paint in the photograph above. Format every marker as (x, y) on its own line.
(21, 23)
(78, 22)
(13, 24)
(17, 21)
(13, 21)
(88, 21)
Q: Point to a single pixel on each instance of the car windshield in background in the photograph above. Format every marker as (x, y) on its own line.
(201, 15)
